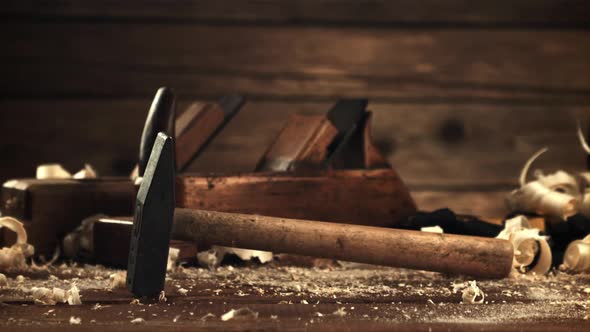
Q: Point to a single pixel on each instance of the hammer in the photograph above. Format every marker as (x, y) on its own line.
(156, 220)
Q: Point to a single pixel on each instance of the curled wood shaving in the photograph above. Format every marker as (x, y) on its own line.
(582, 138)
(3, 280)
(162, 297)
(562, 182)
(15, 257)
(558, 194)
(527, 165)
(239, 314)
(138, 320)
(208, 316)
(472, 294)
(532, 253)
(46, 296)
(534, 197)
(577, 256)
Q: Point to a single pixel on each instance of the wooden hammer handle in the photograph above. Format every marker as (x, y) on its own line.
(473, 256)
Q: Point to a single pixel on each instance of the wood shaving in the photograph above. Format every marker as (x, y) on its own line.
(532, 253)
(559, 194)
(213, 257)
(472, 294)
(52, 171)
(138, 320)
(182, 291)
(162, 297)
(46, 296)
(577, 256)
(73, 296)
(432, 229)
(3, 280)
(59, 295)
(19, 279)
(43, 296)
(582, 138)
(118, 280)
(97, 306)
(534, 197)
(56, 171)
(247, 254)
(88, 172)
(208, 316)
(209, 259)
(341, 312)
(242, 313)
(75, 320)
(172, 259)
(14, 258)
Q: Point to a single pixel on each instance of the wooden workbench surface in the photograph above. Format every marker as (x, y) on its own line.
(349, 297)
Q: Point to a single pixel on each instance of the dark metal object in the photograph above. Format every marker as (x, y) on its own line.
(160, 119)
(345, 116)
(452, 223)
(154, 211)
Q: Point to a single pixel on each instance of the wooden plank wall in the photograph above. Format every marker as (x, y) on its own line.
(463, 92)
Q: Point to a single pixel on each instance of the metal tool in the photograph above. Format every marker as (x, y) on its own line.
(155, 216)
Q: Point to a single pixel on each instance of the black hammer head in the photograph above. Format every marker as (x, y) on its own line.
(152, 223)
(160, 118)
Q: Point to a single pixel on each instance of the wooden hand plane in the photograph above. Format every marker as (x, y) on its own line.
(321, 167)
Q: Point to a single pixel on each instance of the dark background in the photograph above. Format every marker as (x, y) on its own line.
(463, 91)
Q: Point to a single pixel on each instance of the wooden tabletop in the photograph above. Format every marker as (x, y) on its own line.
(341, 298)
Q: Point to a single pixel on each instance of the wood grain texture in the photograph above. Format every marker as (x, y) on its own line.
(208, 118)
(534, 66)
(372, 197)
(290, 142)
(545, 12)
(401, 297)
(429, 145)
(478, 257)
